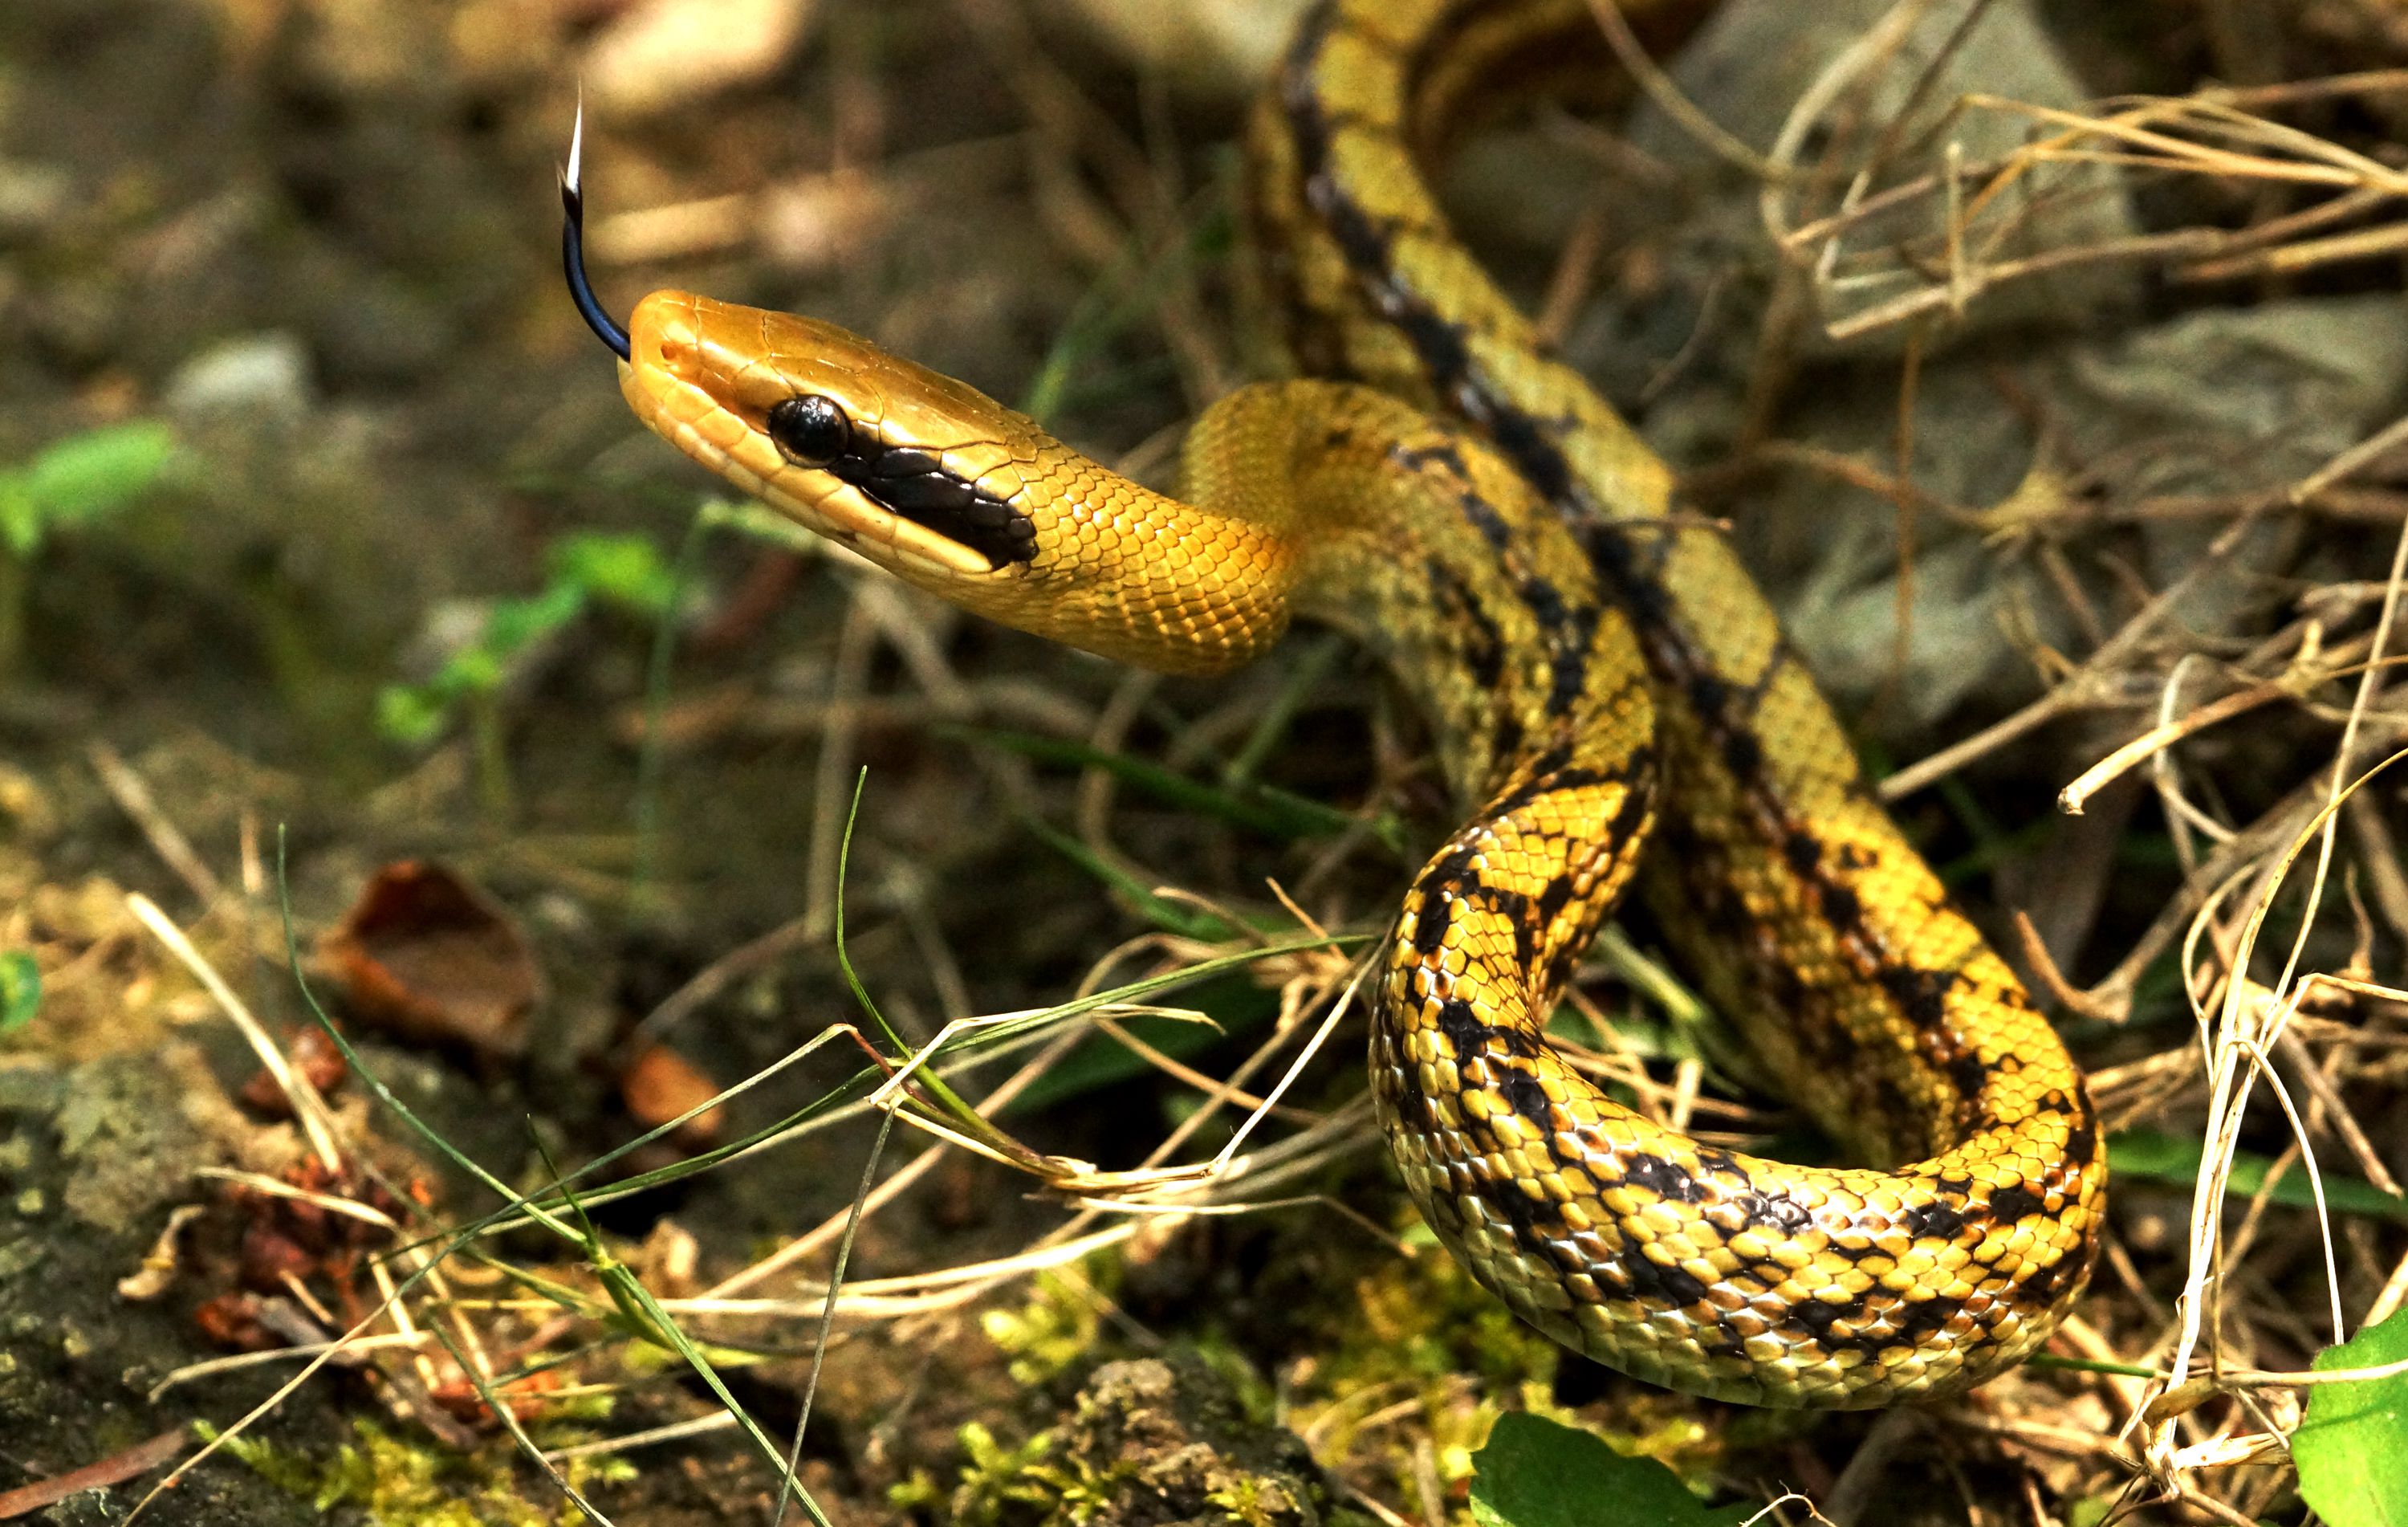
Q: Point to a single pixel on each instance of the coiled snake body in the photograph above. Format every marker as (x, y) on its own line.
(1476, 513)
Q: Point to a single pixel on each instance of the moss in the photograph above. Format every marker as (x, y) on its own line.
(398, 1481)
(1149, 1442)
(1000, 1484)
(1060, 1322)
(1420, 1332)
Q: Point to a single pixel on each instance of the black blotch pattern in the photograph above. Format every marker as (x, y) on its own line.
(1521, 1213)
(1921, 995)
(1645, 1279)
(1707, 695)
(1662, 1179)
(1431, 922)
(1638, 777)
(1447, 875)
(1509, 735)
(1969, 1075)
(1840, 907)
(1515, 908)
(1777, 1210)
(1518, 1043)
(1934, 1221)
(2082, 1143)
(1529, 1100)
(1743, 755)
(1481, 644)
(1443, 455)
(2039, 1291)
(1484, 518)
(2016, 1202)
(1462, 1027)
(1922, 1318)
(1552, 901)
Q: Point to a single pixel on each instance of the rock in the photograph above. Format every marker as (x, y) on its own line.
(1156, 1442)
(2219, 403)
(261, 377)
(114, 1141)
(1219, 49)
(1751, 63)
(663, 53)
(33, 196)
(2234, 400)
(134, 1127)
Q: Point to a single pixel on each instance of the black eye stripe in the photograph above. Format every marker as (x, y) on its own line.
(905, 463)
(914, 485)
(812, 430)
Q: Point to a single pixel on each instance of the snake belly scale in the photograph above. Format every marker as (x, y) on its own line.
(1593, 665)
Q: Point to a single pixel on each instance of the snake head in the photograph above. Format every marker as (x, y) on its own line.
(919, 473)
(941, 485)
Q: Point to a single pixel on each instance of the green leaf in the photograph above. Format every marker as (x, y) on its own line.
(21, 989)
(415, 715)
(92, 474)
(411, 714)
(2352, 1451)
(625, 570)
(21, 518)
(512, 625)
(2156, 1156)
(1537, 1472)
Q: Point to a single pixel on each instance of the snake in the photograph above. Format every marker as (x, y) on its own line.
(1610, 695)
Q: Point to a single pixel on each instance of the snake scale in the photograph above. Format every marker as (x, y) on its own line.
(1600, 672)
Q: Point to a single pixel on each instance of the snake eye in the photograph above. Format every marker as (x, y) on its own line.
(811, 430)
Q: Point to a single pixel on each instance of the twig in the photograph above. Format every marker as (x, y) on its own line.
(1669, 98)
(133, 795)
(133, 1462)
(309, 1108)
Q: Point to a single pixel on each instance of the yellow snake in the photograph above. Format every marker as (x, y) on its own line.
(1475, 511)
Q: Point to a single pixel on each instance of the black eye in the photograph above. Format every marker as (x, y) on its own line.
(811, 430)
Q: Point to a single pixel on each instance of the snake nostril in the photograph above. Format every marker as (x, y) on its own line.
(672, 352)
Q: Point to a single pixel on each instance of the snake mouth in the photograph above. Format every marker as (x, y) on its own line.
(903, 506)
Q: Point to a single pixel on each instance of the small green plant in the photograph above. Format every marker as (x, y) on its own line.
(2352, 1451)
(21, 989)
(393, 1480)
(1002, 1484)
(1058, 1323)
(76, 481)
(624, 572)
(1537, 1473)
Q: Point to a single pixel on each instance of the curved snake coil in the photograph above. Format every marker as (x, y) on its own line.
(1476, 513)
